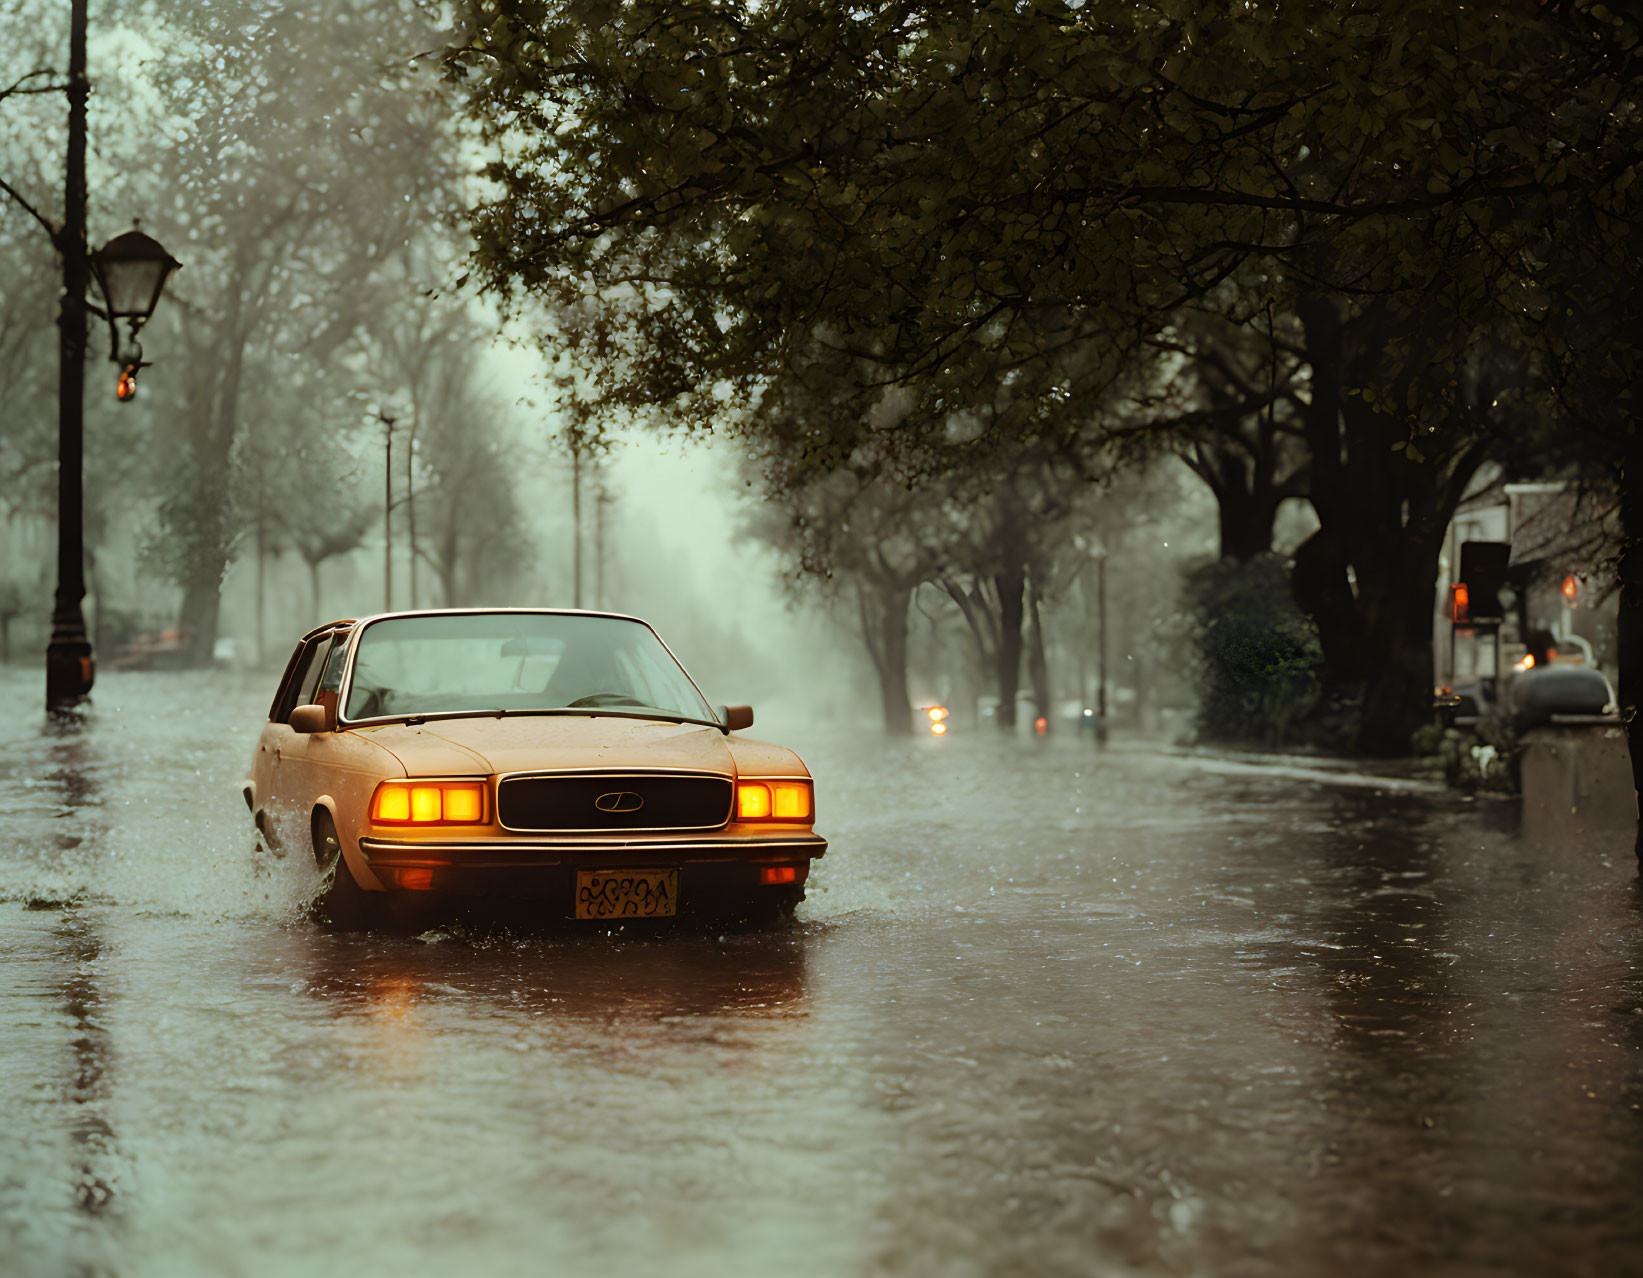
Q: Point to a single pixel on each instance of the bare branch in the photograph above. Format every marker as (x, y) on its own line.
(29, 209)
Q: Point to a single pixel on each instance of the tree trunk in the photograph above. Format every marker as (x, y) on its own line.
(1323, 591)
(1398, 688)
(1011, 585)
(1629, 624)
(447, 562)
(313, 586)
(1038, 669)
(883, 611)
(1246, 523)
(1383, 510)
(197, 619)
(980, 620)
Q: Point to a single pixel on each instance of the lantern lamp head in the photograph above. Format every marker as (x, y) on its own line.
(131, 270)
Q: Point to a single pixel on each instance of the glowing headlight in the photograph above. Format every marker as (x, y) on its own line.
(773, 801)
(429, 803)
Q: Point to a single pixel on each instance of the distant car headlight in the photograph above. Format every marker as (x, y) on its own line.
(429, 803)
(774, 801)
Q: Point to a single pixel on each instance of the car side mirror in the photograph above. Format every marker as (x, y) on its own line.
(735, 718)
(308, 719)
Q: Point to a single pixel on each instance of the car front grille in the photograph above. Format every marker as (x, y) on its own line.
(614, 801)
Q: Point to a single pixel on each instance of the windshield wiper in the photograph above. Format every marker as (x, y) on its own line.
(638, 712)
(499, 712)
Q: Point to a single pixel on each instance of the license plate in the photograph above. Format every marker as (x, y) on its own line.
(627, 894)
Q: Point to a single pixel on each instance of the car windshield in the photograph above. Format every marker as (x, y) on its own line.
(516, 661)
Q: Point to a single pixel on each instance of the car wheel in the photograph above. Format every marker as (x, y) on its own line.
(348, 906)
(266, 834)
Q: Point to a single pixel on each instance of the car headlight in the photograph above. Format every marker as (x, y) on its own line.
(429, 803)
(774, 801)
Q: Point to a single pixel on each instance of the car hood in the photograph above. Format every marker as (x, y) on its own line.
(530, 743)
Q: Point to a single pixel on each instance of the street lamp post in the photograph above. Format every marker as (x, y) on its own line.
(387, 510)
(131, 271)
(576, 516)
(410, 505)
(69, 665)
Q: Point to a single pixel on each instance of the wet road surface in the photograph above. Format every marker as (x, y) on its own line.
(1044, 1013)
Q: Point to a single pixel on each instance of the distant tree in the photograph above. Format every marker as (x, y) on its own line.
(13, 604)
(310, 490)
(418, 348)
(327, 533)
(866, 543)
(303, 150)
(466, 469)
(28, 367)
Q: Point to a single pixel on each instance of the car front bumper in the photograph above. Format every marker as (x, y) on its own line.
(546, 868)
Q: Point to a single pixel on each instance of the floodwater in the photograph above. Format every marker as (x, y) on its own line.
(1046, 1012)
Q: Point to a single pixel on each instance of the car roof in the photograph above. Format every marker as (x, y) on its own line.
(488, 612)
(326, 629)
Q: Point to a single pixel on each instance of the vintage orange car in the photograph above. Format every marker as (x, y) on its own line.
(556, 758)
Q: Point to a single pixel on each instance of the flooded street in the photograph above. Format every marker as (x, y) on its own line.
(1045, 1012)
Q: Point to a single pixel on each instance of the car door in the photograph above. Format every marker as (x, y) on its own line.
(261, 780)
(311, 763)
(285, 819)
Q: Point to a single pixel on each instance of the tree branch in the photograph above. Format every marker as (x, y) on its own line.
(29, 209)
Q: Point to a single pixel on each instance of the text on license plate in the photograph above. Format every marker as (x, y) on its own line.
(626, 894)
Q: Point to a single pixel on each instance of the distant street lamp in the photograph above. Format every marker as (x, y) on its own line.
(132, 270)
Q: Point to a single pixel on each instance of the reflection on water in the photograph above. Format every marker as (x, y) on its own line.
(597, 978)
(72, 773)
(1114, 1015)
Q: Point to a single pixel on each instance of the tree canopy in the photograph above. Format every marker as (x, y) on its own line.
(1001, 209)
(930, 184)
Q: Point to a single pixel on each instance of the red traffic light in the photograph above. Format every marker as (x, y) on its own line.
(1460, 603)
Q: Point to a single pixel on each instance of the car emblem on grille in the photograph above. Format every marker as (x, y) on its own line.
(619, 801)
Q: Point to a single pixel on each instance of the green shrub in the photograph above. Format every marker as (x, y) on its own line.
(1258, 657)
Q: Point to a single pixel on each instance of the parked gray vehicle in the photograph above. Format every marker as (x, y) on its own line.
(1539, 694)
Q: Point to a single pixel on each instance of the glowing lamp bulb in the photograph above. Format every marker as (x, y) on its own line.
(125, 387)
(938, 729)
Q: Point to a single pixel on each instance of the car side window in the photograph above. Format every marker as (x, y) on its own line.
(310, 678)
(299, 681)
(326, 693)
(288, 680)
(331, 680)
